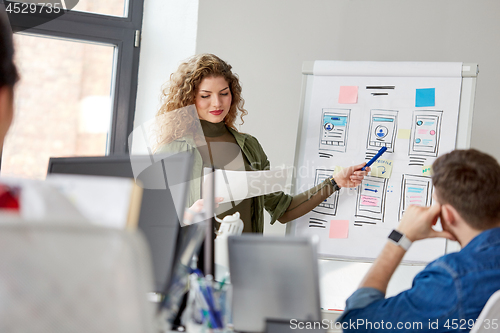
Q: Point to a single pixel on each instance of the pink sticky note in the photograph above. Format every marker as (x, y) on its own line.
(348, 95)
(369, 201)
(339, 228)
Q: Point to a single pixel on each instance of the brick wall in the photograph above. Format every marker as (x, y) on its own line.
(62, 102)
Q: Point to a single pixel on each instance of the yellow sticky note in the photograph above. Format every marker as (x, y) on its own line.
(337, 169)
(404, 134)
(427, 170)
(381, 168)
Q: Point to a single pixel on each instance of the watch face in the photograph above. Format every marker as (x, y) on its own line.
(395, 236)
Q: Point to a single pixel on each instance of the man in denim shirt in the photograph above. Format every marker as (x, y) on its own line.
(449, 294)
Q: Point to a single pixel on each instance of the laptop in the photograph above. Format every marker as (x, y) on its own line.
(275, 279)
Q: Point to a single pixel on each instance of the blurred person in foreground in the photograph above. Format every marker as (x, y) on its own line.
(449, 294)
(8, 76)
(9, 197)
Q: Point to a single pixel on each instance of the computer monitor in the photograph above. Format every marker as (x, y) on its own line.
(159, 216)
(273, 278)
(189, 243)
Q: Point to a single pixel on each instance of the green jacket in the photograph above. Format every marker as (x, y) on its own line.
(275, 203)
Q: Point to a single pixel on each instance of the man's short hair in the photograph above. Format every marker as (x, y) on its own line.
(8, 71)
(469, 180)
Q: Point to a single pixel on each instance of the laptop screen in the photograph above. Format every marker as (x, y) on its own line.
(273, 278)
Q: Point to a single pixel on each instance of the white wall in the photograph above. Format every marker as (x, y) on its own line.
(266, 41)
(168, 37)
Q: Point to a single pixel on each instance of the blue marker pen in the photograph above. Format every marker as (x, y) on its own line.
(374, 158)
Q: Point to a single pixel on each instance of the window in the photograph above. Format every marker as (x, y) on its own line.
(78, 85)
(107, 7)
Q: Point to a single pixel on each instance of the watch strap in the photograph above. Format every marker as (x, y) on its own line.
(334, 184)
(400, 239)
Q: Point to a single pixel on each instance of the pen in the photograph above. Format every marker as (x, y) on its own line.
(374, 158)
(222, 283)
(206, 303)
(206, 289)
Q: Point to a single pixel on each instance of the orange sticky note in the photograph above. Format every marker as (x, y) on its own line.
(348, 95)
(339, 228)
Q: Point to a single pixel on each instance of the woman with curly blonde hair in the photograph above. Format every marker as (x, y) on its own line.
(200, 105)
(180, 92)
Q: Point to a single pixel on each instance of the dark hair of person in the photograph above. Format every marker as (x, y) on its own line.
(8, 71)
(469, 180)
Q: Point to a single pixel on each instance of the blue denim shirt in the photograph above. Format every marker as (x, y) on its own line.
(447, 296)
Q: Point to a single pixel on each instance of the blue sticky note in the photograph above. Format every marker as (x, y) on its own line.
(425, 97)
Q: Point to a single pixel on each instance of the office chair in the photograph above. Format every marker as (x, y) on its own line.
(489, 316)
(73, 278)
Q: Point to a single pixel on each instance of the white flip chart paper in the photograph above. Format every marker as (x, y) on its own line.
(239, 185)
(386, 115)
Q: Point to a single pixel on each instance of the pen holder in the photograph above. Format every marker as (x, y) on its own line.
(208, 305)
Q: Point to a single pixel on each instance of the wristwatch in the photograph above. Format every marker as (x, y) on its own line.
(400, 239)
(335, 186)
